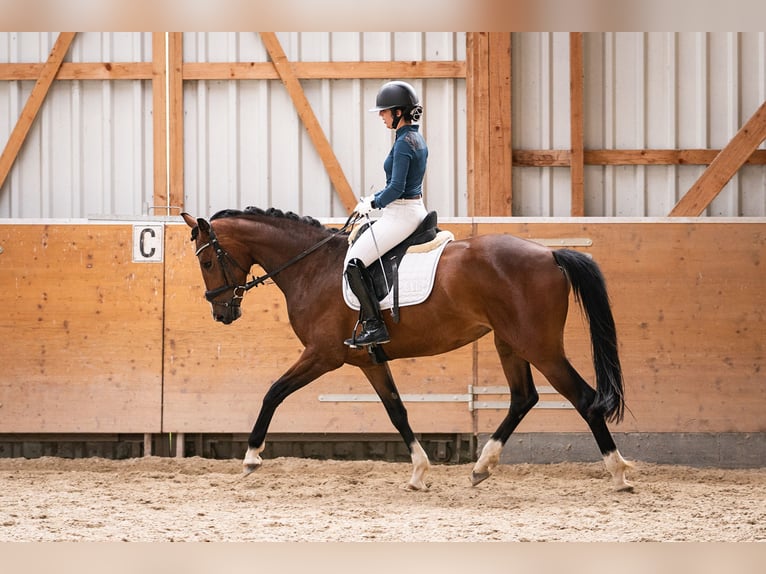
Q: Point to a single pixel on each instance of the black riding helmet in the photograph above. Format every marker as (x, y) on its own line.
(398, 95)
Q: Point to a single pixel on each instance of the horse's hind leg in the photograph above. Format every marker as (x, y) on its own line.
(523, 397)
(383, 383)
(567, 381)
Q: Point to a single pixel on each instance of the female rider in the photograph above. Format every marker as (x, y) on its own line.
(401, 204)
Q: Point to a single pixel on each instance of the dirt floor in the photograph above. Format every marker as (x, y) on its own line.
(290, 499)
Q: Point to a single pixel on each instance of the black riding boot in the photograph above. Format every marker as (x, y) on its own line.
(373, 328)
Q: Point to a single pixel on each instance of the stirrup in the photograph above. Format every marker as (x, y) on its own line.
(376, 336)
(352, 341)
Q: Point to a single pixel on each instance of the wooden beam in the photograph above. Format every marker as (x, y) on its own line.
(242, 70)
(499, 128)
(80, 71)
(724, 166)
(324, 70)
(34, 103)
(488, 122)
(477, 102)
(561, 158)
(577, 158)
(176, 120)
(542, 157)
(309, 119)
(159, 121)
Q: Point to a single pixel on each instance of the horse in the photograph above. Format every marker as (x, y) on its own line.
(516, 288)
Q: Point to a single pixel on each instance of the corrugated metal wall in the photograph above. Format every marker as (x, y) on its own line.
(90, 150)
(690, 90)
(246, 146)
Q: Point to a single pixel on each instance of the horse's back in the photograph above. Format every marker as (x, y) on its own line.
(500, 249)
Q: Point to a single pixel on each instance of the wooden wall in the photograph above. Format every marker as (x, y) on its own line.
(81, 331)
(95, 343)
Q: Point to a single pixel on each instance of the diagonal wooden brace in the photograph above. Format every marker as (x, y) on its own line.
(309, 119)
(723, 167)
(34, 103)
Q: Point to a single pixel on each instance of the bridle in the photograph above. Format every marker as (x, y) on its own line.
(238, 291)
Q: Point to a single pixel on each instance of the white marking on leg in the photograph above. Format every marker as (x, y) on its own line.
(489, 459)
(253, 459)
(420, 466)
(616, 465)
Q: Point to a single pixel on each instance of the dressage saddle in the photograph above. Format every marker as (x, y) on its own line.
(384, 271)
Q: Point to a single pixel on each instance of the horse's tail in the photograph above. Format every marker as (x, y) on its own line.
(589, 288)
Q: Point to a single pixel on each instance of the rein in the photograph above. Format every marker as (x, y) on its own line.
(240, 290)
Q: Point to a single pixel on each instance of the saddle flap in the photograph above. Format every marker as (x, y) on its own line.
(383, 277)
(416, 273)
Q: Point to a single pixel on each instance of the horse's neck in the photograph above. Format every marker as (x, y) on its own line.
(275, 245)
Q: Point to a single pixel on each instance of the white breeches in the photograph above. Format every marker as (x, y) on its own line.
(398, 220)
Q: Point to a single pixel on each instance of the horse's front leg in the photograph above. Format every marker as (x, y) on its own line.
(383, 383)
(309, 367)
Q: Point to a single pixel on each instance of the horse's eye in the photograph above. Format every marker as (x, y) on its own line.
(207, 265)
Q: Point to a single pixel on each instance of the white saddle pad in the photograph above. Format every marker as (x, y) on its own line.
(416, 275)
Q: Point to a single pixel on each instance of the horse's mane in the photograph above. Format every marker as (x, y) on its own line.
(270, 212)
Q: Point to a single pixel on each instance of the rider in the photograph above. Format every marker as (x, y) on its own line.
(401, 204)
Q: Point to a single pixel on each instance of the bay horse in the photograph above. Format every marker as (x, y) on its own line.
(496, 282)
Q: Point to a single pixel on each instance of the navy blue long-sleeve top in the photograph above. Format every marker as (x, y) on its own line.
(405, 166)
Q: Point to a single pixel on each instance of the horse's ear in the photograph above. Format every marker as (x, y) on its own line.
(199, 222)
(190, 221)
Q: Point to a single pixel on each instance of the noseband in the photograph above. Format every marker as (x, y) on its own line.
(238, 291)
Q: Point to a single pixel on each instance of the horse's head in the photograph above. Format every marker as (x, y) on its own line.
(224, 276)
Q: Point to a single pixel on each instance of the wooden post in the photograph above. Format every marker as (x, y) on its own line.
(34, 103)
(309, 119)
(159, 121)
(176, 120)
(723, 167)
(577, 158)
(488, 86)
(477, 96)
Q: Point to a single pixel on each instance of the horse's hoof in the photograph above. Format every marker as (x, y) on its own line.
(479, 477)
(248, 469)
(416, 488)
(624, 487)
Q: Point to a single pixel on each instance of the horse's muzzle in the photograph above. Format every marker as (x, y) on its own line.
(226, 315)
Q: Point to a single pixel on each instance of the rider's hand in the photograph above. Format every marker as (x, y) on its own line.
(364, 206)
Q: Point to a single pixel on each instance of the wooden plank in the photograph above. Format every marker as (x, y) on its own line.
(576, 122)
(477, 113)
(562, 158)
(488, 100)
(96, 339)
(309, 119)
(81, 331)
(499, 128)
(242, 70)
(323, 70)
(724, 166)
(80, 71)
(34, 103)
(176, 122)
(159, 120)
(662, 157)
(542, 158)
